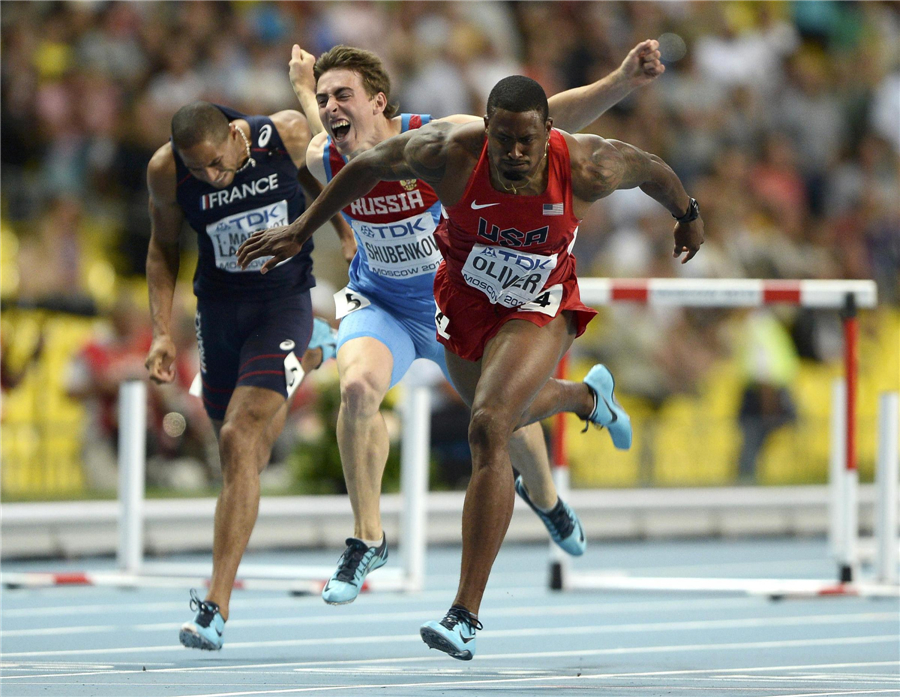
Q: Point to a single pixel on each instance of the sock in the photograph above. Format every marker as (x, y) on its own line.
(552, 508)
(373, 543)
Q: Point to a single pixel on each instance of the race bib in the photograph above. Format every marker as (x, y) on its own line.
(347, 301)
(228, 234)
(441, 322)
(505, 276)
(293, 374)
(401, 249)
(547, 302)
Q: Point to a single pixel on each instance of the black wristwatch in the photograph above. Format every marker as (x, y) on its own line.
(693, 212)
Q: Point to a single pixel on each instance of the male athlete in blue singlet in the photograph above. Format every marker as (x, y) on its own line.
(230, 175)
(388, 308)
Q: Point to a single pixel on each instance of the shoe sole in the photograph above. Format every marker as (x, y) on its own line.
(620, 426)
(192, 640)
(434, 640)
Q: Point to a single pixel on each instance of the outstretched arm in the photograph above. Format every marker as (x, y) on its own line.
(575, 109)
(602, 166)
(303, 81)
(416, 154)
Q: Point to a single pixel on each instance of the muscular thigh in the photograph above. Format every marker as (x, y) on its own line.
(517, 362)
(392, 349)
(246, 344)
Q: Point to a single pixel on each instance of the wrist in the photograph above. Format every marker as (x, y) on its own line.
(691, 214)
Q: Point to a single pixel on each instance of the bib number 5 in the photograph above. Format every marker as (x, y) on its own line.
(347, 301)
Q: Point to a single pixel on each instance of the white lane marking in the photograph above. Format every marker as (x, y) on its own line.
(410, 637)
(333, 618)
(631, 627)
(443, 671)
(404, 599)
(491, 681)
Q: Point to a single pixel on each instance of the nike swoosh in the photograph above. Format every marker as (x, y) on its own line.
(466, 640)
(476, 206)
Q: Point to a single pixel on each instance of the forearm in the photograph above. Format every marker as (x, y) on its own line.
(352, 182)
(664, 186)
(310, 109)
(577, 108)
(162, 274)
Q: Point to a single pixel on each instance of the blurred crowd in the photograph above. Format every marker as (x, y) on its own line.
(782, 119)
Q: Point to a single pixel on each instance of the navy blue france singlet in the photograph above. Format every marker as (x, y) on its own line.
(260, 197)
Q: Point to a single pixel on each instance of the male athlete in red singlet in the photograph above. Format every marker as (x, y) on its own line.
(514, 190)
(508, 257)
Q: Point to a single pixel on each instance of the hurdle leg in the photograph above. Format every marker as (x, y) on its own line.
(886, 533)
(132, 465)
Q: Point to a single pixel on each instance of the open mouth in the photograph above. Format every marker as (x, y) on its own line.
(339, 129)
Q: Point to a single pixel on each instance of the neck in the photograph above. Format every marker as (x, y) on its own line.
(531, 185)
(383, 129)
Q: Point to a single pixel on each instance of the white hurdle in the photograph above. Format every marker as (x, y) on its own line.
(846, 296)
(887, 535)
(135, 571)
(132, 469)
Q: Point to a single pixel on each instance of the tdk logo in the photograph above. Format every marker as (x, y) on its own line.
(238, 193)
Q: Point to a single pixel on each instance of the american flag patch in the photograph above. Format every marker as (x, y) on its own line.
(553, 209)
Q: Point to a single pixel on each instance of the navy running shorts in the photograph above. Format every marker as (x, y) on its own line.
(246, 343)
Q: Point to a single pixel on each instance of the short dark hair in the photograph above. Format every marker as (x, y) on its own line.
(197, 122)
(518, 93)
(365, 64)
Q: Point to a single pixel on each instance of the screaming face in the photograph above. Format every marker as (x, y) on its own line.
(347, 111)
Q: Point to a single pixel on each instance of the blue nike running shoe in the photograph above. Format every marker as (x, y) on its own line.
(357, 562)
(205, 632)
(608, 413)
(324, 336)
(562, 523)
(454, 635)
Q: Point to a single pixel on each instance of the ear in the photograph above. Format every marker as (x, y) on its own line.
(549, 124)
(379, 103)
(487, 121)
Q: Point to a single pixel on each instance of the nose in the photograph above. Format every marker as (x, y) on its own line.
(516, 152)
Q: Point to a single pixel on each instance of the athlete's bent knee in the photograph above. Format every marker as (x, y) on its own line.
(360, 397)
(489, 429)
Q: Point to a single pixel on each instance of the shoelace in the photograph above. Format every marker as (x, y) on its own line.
(457, 614)
(206, 609)
(562, 521)
(350, 559)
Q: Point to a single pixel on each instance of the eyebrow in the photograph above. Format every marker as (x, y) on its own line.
(320, 95)
(215, 160)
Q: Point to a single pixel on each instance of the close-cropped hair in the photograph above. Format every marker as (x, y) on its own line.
(518, 93)
(365, 64)
(198, 122)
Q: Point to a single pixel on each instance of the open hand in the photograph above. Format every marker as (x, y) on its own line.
(688, 238)
(277, 242)
(642, 65)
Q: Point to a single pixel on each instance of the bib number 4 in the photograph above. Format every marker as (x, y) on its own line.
(547, 302)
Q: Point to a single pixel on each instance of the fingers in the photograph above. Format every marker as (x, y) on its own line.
(249, 251)
(271, 263)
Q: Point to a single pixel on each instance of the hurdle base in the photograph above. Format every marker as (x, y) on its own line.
(765, 587)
